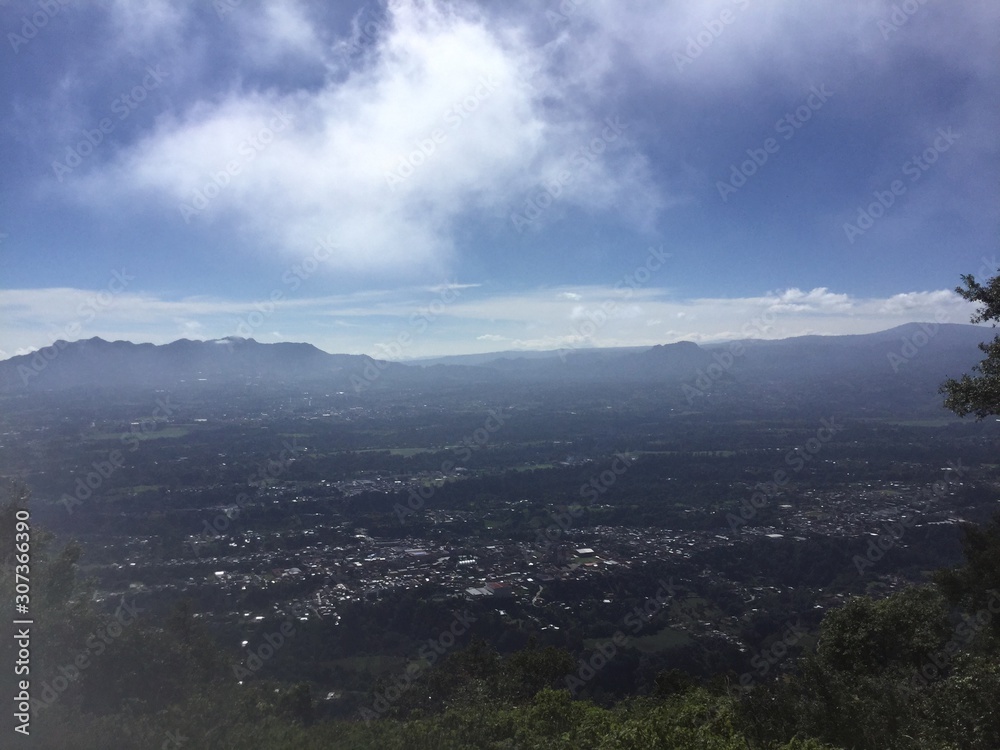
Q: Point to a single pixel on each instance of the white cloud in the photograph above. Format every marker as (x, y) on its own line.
(282, 30)
(818, 300)
(436, 123)
(373, 321)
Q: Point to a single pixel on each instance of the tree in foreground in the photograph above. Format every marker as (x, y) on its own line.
(979, 393)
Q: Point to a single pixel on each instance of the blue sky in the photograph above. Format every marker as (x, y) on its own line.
(481, 176)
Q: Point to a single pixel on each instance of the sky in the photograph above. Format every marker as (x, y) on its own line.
(408, 179)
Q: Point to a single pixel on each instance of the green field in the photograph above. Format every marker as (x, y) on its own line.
(164, 432)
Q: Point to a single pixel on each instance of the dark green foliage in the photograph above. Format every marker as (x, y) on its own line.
(976, 585)
(869, 638)
(979, 394)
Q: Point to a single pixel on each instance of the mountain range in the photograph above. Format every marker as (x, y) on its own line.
(907, 361)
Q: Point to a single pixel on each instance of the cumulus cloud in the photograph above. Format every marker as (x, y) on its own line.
(817, 300)
(437, 123)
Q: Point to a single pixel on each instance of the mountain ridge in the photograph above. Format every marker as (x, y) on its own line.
(913, 355)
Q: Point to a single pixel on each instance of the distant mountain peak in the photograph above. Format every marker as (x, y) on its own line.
(677, 346)
(96, 362)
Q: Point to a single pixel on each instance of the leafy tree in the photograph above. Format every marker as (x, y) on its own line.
(868, 637)
(979, 394)
(976, 585)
